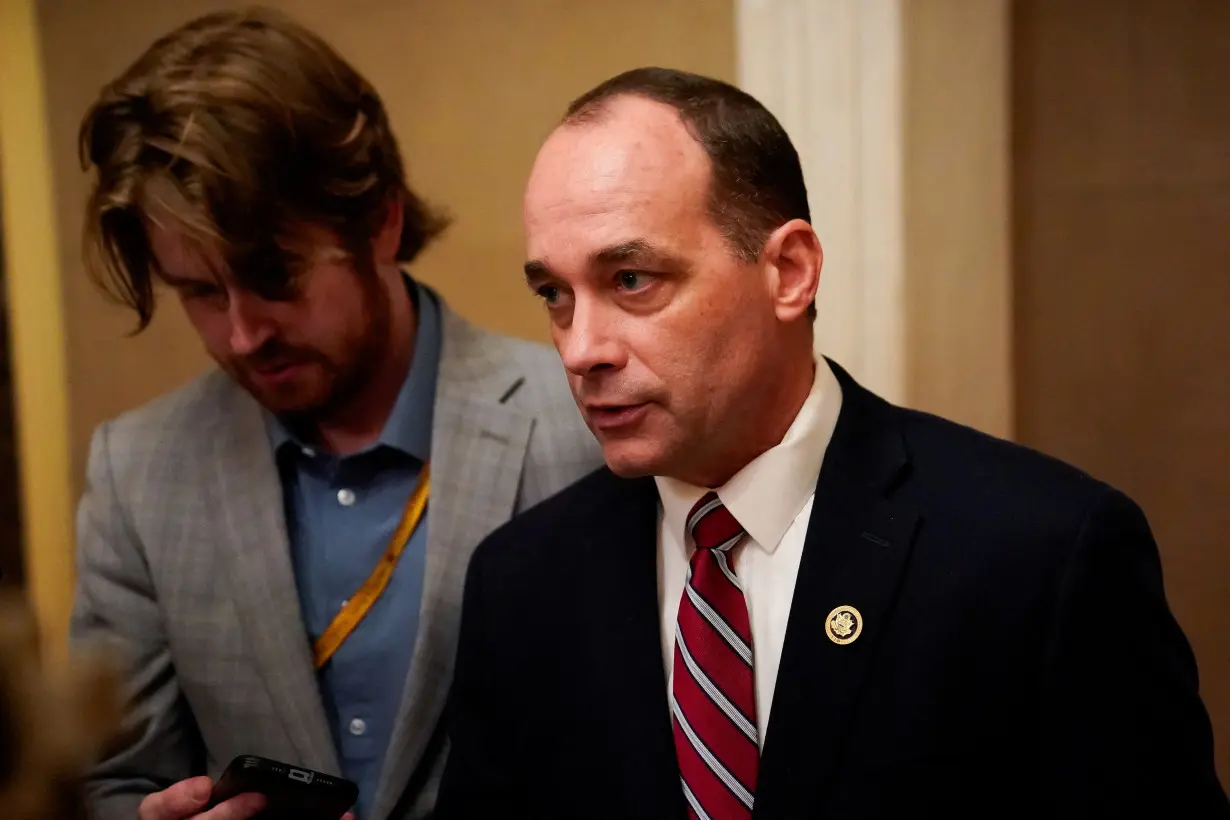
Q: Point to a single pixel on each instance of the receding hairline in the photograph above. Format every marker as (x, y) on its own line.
(601, 110)
(755, 180)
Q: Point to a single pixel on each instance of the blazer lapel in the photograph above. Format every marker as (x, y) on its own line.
(857, 544)
(478, 449)
(624, 661)
(255, 552)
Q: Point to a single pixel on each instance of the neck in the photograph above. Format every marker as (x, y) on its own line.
(766, 423)
(359, 423)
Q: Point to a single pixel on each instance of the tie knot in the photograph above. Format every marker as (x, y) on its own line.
(712, 526)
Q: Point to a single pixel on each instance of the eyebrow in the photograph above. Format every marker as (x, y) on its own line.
(174, 280)
(634, 251)
(536, 271)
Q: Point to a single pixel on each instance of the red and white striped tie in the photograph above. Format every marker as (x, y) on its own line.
(714, 693)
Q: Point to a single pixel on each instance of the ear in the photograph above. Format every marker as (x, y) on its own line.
(387, 240)
(792, 257)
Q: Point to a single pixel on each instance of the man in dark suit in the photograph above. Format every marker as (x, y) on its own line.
(783, 592)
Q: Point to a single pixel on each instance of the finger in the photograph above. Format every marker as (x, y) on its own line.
(177, 802)
(241, 807)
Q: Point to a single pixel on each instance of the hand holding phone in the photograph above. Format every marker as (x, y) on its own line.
(289, 792)
(188, 800)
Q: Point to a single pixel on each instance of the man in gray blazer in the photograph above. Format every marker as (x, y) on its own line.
(254, 542)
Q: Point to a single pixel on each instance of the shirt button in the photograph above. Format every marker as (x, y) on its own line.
(358, 727)
(345, 497)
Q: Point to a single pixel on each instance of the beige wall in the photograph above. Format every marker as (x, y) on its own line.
(955, 167)
(472, 87)
(1122, 194)
(898, 109)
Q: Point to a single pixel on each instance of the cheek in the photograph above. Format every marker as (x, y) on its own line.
(712, 355)
(330, 305)
(319, 319)
(675, 357)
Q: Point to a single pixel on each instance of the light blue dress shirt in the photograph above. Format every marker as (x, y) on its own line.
(341, 514)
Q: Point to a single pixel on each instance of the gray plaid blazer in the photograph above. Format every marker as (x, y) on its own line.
(183, 562)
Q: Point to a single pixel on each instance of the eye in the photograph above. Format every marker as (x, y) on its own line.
(286, 288)
(200, 291)
(549, 293)
(633, 279)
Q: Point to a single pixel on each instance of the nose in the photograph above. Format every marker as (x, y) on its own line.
(591, 341)
(251, 324)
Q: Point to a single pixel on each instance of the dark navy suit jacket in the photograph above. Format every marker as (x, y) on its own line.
(1018, 657)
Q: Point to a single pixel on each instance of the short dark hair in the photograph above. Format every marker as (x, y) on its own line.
(257, 127)
(757, 182)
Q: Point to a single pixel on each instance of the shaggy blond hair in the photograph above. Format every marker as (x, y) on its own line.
(245, 126)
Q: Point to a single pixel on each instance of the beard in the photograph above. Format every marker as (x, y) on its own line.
(323, 379)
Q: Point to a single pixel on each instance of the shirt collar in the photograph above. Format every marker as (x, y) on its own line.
(408, 428)
(767, 495)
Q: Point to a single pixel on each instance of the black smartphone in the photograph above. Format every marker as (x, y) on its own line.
(290, 791)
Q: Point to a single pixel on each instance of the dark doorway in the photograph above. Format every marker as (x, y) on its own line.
(12, 570)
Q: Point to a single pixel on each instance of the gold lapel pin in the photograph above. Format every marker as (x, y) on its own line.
(843, 625)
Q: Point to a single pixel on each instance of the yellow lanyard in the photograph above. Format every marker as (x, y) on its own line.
(362, 601)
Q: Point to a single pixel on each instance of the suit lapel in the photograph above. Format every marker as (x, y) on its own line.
(857, 544)
(478, 450)
(255, 552)
(624, 660)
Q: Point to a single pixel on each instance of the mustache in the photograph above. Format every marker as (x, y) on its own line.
(610, 389)
(274, 354)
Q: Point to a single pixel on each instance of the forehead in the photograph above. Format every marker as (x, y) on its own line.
(634, 172)
(185, 252)
(179, 256)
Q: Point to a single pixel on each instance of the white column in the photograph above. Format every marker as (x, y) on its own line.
(914, 292)
(829, 71)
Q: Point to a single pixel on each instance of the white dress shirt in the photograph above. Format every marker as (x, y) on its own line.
(772, 498)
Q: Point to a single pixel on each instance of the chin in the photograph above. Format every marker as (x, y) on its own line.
(289, 402)
(628, 459)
